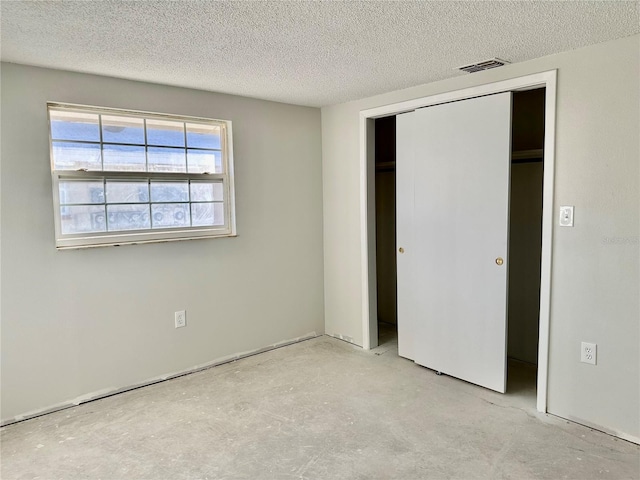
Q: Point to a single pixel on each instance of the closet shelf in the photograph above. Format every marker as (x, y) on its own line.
(384, 166)
(536, 153)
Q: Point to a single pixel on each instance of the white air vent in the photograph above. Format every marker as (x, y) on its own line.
(486, 65)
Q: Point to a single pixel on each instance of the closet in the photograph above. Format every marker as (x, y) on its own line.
(468, 234)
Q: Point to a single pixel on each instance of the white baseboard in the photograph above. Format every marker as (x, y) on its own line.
(114, 391)
(600, 428)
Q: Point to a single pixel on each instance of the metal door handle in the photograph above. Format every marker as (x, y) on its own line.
(401, 250)
(499, 261)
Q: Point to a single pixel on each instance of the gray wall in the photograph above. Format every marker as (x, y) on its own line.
(595, 264)
(84, 321)
(386, 271)
(525, 234)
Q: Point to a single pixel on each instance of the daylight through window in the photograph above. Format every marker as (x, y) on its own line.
(132, 177)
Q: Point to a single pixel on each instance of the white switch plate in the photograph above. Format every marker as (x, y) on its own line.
(588, 353)
(566, 216)
(181, 319)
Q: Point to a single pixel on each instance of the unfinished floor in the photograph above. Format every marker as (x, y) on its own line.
(320, 409)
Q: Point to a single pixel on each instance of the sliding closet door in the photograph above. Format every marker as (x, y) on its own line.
(459, 235)
(405, 155)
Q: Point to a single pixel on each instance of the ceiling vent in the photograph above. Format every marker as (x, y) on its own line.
(486, 65)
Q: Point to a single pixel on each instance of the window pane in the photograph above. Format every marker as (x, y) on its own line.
(91, 191)
(122, 129)
(74, 126)
(73, 156)
(161, 132)
(201, 161)
(169, 191)
(82, 219)
(207, 214)
(127, 192)
(206, 191)
(128, 217)
(203, 136)
(166, 159)
(124, 158)
(167, 215)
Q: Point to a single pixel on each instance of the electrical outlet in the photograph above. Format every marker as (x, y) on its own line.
(181, 319)
(588, 353)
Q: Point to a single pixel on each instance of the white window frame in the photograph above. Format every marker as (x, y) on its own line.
(116, 238)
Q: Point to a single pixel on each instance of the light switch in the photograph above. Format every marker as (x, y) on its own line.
(566, 216)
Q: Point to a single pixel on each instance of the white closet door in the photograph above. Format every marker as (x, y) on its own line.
(405, 154)
(458, 247)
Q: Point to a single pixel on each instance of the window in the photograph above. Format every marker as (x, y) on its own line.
(122, 177)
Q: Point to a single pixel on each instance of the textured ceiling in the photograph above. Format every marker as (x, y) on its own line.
(307, 53)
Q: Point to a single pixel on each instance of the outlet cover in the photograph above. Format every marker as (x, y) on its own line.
(588, 353)
(181, 319)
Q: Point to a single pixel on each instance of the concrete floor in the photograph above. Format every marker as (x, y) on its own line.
(320, 409)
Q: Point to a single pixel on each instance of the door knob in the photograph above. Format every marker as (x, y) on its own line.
(499, 261)
(401, 250)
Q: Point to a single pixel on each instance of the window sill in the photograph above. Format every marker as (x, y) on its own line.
(136, 239)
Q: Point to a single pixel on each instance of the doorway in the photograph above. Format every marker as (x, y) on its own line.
(368, 200)
(385, 206)
(525, 237)
(525, 240)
